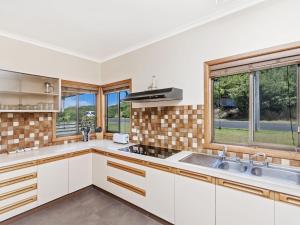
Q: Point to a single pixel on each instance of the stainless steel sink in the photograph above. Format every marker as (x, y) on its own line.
(270, 171)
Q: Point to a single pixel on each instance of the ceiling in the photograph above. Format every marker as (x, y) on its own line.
(99, 30)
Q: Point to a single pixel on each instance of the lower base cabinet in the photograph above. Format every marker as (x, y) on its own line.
(237, 207)
(99, 171)
(194, 202)
(53, 180)
(287, 214)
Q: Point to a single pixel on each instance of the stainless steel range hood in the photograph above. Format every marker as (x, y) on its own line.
(166, 94)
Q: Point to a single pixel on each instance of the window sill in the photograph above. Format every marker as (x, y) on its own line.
(70, 138)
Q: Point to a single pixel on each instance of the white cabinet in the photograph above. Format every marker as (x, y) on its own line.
(238, 204)
(53, 180)
(194, 200)
(99, 171)
(80, 172)
(287, 213)
(160, 194)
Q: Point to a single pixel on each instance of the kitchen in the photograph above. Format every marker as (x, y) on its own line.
(188, 119)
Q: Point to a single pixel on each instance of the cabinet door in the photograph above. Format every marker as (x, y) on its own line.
(99, 171)
(52, 180)
(235, 207)
(287, 214)
(194, 202)
(80, 172)
(160, 194)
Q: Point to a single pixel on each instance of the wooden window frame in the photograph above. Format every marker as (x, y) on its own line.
(112, 86)
(284, 51)
(99, 122)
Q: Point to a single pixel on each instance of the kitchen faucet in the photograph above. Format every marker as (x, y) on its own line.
(259, 154)
(223, 153)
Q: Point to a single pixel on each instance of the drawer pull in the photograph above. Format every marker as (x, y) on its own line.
(128, 169)
(127, 186)
(196, 176)
(125, 158)
(288, 199)
(18, 166)
(53, 159)
(18, 204)
(82, 152)
(246, 188)
(99, 152)
(160, 167)
(19, 191)
(19, 179)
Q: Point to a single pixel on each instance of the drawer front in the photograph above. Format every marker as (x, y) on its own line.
(126, 191)
(16, 186)
(18, 207)
(124, 173)
(16, 198)
(17, 173)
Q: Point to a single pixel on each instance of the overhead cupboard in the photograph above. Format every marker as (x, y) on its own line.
(176, 195)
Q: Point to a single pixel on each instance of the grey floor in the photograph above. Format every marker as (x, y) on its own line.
(89, 207)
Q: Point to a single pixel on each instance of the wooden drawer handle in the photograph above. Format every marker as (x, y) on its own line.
(127, 186)
(19, 179)
(18, 166)
(82, 152)
(128, 169)
(245, 188)
(19, 191)
(125, 158)
(18, 204)
(289, 199)
(196, 176)
(160, 167)
(53, 159)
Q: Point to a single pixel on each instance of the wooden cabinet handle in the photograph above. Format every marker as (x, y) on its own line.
(246, 188)
(18, 204)
(128, 169)
(53, 159)
(126, 186)
(82, 152)
(196, 176)
(288, 199)
(159, 167)
(18, 179)
(18, 166)
(19, 191)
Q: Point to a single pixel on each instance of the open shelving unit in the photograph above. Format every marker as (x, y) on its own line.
(20, 92)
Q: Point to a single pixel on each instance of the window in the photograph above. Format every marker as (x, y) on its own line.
(117, 112)
(77, 105)
(257, 108)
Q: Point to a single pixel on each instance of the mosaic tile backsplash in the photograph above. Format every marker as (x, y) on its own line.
(21, 130)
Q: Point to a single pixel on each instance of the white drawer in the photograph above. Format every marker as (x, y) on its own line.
(18, 207)
(18, 197)
(17, 173)
(17, 186)
(127, 173)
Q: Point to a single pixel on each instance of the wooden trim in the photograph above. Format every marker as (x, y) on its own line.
(126, 186)
(18, 179)
(19, 191)
(160, 167)
(246, 188)
(99, 152)
(79, 153)
(125, 158)
(127, 82)
(125, 168)
(53, 158)
(18, 204)
(287, 199)
(76, 84)
(196, 176)
(18, 166)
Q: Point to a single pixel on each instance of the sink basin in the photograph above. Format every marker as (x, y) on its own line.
(271, 171)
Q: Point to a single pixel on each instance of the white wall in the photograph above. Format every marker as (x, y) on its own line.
(23, 57)
(178, 61)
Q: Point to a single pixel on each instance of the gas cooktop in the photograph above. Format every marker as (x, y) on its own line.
(150, 151)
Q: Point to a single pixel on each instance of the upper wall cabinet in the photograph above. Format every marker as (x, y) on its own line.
(21, 92)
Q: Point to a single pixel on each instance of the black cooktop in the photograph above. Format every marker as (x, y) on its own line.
(150, 151)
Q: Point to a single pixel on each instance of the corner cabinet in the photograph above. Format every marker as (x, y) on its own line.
(20, 92)
(238, 204)
(194, 199)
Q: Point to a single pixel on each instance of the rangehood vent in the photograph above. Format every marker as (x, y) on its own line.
(166, 94)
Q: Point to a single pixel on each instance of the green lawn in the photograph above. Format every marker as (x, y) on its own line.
(230, 135)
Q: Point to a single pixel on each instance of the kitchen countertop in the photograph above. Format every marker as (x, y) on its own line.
(278, 185)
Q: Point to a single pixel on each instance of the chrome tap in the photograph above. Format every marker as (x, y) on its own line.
(223, 153)
(259, 154)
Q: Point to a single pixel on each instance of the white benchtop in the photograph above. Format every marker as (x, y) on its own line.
(108, 146)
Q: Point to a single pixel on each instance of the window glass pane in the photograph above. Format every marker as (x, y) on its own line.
(276, 107)
(124, 113)
(87, 111)
(66, 123)
(231, 109)
(112, 100)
